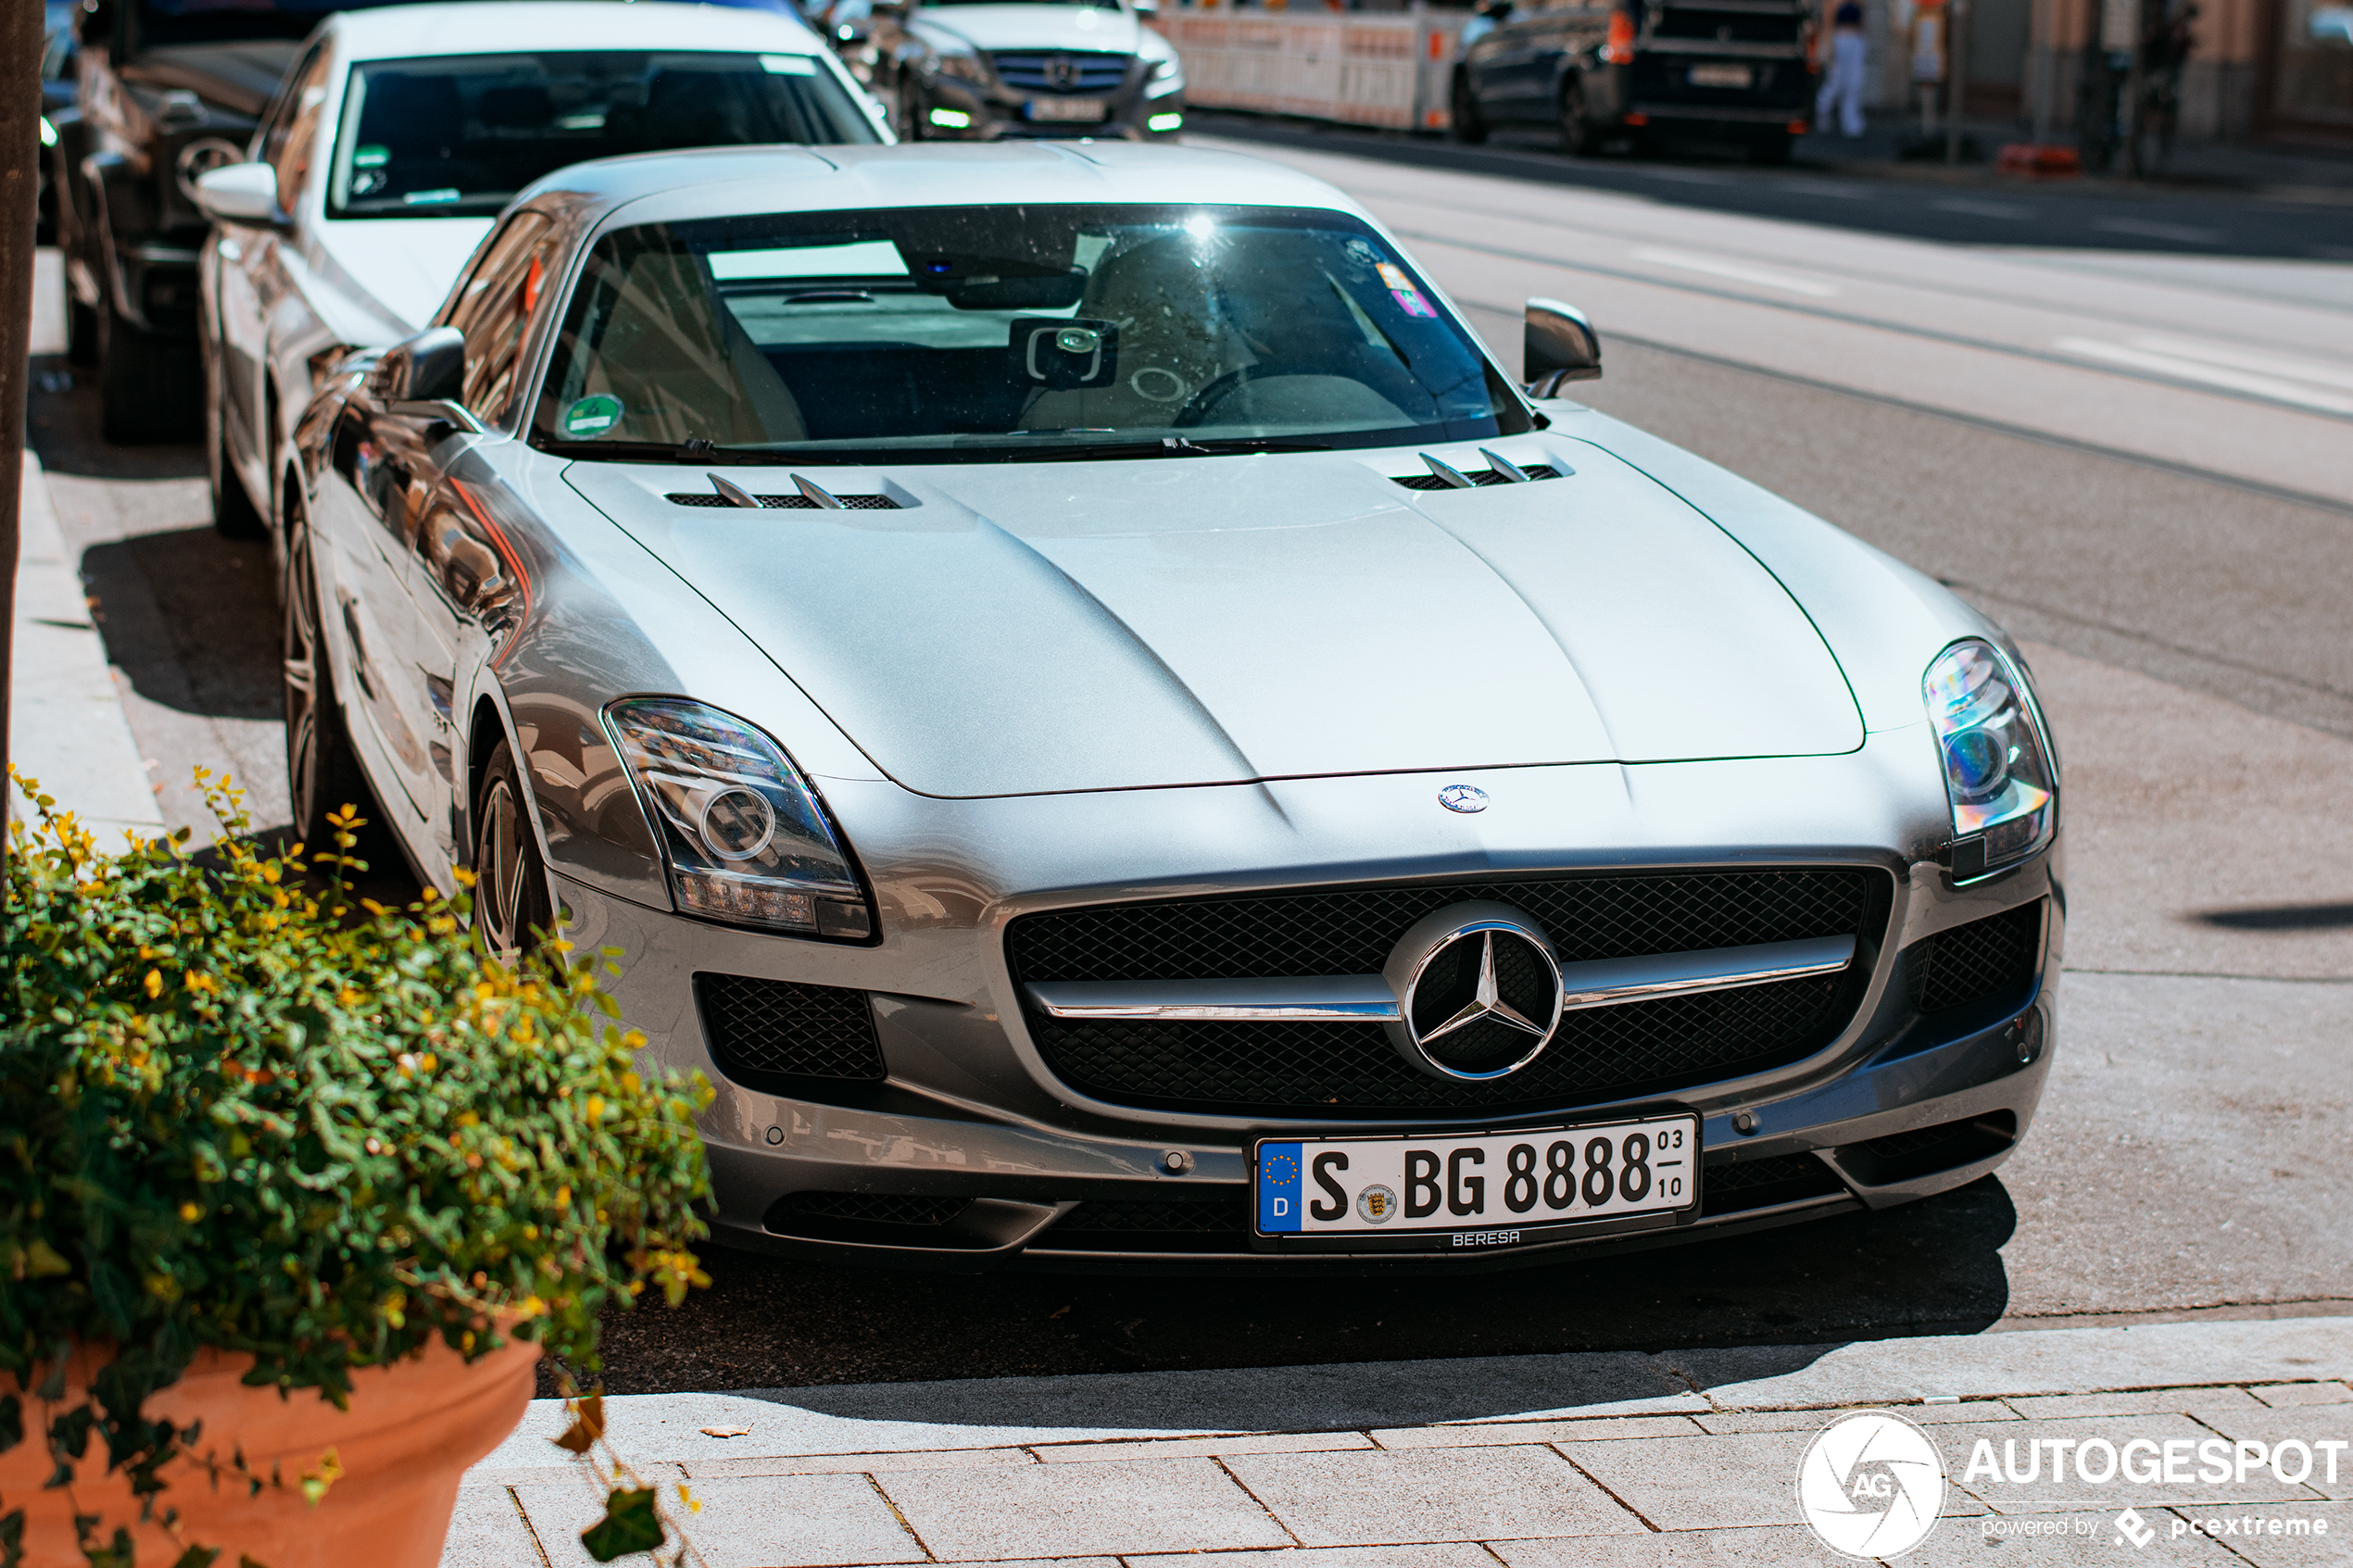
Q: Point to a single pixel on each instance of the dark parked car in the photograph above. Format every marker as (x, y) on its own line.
(1599, 71)
(169, 89)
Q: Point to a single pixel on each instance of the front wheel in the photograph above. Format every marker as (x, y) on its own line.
(1465, 123)
(150, 388)
(513, 910)
(322, 774)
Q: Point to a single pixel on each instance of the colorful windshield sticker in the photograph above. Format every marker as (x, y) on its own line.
(1400, 289)
(592, 416)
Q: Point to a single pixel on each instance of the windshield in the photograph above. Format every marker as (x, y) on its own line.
(948, 333)
(460, 136)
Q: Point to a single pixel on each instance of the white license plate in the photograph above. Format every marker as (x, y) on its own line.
(1721, 76)
(1081, 111)
(1485, 1183)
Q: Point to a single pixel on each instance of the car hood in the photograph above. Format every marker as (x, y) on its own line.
(404, 265)
(1016, 629)
(1031, 27)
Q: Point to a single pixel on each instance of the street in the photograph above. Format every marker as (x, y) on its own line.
(2140, 460)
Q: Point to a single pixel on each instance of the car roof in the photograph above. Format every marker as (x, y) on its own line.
(525, 26)
(729, 181)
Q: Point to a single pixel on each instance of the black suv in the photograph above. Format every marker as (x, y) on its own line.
(1735, 69)
(169, 89)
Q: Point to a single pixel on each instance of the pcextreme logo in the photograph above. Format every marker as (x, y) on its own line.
(1872, 1485)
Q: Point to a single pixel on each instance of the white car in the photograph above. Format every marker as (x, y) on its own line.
(986, 69)
(398, 137)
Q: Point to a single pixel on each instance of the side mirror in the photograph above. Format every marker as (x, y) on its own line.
(1557, 346)
(1148, 9)
(421, 378)
(239, 192)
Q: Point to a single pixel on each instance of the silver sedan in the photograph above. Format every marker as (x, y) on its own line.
(1203, 767)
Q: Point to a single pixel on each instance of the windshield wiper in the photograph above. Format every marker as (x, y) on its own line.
(1166, 446)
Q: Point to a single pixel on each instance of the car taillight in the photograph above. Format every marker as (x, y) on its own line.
(1619, 48)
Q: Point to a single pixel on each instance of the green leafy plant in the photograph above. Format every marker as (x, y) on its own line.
(241, 1109)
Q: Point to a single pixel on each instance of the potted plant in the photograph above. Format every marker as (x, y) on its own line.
(292, 1195)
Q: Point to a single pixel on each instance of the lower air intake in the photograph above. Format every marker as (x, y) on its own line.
(765, 1030)
(1994, 958)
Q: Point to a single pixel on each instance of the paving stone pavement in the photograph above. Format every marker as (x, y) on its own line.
(1687, 1460)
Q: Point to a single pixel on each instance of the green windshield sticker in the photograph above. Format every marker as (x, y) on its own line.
(592, 415)
(371, 157)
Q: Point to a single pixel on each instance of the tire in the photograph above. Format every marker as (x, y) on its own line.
(1576, 131)
(1771, 147)
(1464, 123)
(322, 772)
(514, 910)
(233, 514)
(150, 388)
(81, 332)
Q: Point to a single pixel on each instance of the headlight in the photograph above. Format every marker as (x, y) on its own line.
(743, 836)
(968, 67)
(1997, 766)
(1166, 77)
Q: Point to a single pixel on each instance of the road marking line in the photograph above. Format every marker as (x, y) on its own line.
(2190, 369)
(2256, 360)
(1972, 207)
(1739, 271)
(2143, 227)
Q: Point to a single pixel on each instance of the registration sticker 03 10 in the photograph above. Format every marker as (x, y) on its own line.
(1400, 289)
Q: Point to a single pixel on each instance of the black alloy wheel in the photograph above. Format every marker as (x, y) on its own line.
(1465, 123)
(1575, 131)
(322, 774)
(150, 388)
(514, 908)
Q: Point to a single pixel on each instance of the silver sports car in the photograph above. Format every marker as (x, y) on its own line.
(1201, 767)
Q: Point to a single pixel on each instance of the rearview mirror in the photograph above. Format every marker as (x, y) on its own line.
(239, 192)
(422, 376)
(1557, 346)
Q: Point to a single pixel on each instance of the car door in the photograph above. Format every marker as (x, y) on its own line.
(463, 588)
(1506, 68)
(252, 277)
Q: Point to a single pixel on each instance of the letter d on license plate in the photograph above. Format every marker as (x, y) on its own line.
(1534, 1177)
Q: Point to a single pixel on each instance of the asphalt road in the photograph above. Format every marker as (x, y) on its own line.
(2177, 548)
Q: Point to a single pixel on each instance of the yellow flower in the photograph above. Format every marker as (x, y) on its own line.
(190, 1213)
(155, 984)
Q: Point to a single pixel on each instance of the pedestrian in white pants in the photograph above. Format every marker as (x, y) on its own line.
(1842, 83)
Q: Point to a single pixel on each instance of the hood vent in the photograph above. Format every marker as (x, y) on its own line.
(1476, 476)
(1500, 470)
(786, 503)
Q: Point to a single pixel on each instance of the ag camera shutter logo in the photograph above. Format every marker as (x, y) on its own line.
(1871, 1485)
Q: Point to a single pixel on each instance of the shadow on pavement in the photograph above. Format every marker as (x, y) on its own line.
(205, 638)
(1935, 1267)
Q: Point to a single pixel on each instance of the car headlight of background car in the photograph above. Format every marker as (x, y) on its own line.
(1164, 76)
(1998, 764)
(743, 836)
(964, 67)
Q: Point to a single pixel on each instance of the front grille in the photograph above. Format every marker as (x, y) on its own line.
(1308, 1070)
(1476, 476)
(775, 1029)
(1761, 1183)
(1994, 956)
(874, 1208)
(1190, 1216)
(1031, 71)
(795, 502)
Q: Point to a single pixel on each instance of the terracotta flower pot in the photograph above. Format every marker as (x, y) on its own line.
(409, 1433)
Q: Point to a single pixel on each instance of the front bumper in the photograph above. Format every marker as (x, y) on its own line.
(1901, 1105)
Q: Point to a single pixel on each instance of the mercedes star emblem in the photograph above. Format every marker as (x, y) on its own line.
(1465, 798)
(1479, 992)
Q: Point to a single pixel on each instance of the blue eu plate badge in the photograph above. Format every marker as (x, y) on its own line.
(1278, 1179)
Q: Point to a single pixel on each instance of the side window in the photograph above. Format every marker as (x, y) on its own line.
(289, 145)
(494, 306)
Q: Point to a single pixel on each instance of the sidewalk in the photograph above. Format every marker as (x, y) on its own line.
(1609, 1460)
(66, 725)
